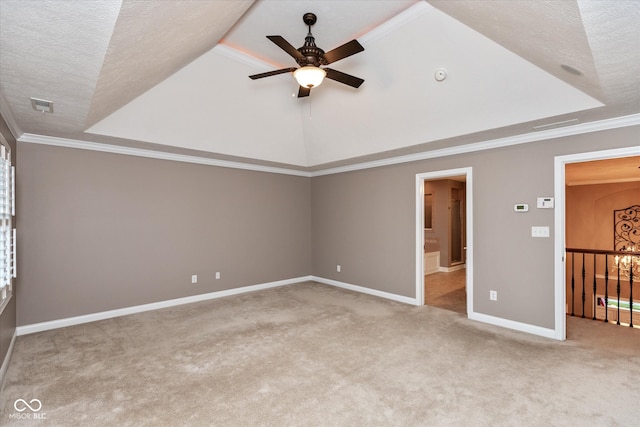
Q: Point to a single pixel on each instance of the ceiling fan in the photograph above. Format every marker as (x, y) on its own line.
(310, 57)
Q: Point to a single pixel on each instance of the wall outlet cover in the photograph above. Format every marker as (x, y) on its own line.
(540, 231)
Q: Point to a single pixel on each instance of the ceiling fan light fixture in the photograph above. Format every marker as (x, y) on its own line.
(309, 76)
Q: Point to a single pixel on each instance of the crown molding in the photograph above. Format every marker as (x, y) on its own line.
(7, 115)
(614, 123)
(139, 152)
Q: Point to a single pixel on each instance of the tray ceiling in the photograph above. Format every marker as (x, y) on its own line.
(175, 77)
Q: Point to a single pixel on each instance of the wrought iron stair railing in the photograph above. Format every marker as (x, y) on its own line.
(608, 278)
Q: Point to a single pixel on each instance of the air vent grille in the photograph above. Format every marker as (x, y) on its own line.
(42, 105)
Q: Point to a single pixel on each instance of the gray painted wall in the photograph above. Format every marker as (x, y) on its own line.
(104, 231)
(365, 221)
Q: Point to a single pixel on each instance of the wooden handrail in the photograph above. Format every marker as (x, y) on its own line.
(601, 252)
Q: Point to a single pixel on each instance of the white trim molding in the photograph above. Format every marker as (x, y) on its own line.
(161, 155)
(94, 317)
(560, 291)
(451, 269)
(363, 290)
(88, 318)
(5, 111)
(419, 227)
(511, 324)
(618, 122)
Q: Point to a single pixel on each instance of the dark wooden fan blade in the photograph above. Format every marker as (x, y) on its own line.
(272, 73)
(344, 78)
(304, 91)
(341, 52)
(286, 46)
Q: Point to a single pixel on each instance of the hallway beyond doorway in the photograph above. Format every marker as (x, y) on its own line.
(446, 291)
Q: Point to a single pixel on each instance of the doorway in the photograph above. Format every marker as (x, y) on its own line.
(560, 267)
(444, 248)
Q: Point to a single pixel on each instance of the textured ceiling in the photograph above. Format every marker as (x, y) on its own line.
(172, 76)
(152, 42)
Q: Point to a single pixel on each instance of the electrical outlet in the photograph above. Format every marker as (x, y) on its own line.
(493, 295)
(217, 275)
(194, 278)
(338, 268)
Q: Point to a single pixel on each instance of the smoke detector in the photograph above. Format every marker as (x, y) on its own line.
(440, 74)
(42, 105)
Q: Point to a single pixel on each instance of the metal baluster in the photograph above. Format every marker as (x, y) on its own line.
(618, 290)
(631, 294)
(606, 288)
(573, 282)
(583, 293)
(594, 287)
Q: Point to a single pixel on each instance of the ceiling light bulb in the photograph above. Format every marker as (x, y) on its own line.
(309, 76)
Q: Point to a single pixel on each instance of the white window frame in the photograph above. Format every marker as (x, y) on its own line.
(7, 232)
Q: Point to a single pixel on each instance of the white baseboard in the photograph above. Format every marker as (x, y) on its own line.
(518, 326)
(77, 320)
(454, 268)
(7, 359)
(362, 289)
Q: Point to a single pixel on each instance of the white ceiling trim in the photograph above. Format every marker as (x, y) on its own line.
(618, 122)
(597, 126)
(5, 110)
(139, 152)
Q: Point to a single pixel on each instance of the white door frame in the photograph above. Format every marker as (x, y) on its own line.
(420, 179)
(560, 294)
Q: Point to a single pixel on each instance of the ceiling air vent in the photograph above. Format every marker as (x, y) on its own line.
(556, 124)
(42, 105)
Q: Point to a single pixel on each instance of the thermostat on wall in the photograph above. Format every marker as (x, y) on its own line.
(521, 207)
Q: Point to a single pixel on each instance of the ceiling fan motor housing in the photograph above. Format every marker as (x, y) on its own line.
(312, 53)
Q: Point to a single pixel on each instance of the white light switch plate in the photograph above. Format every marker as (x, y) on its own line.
(539, 231)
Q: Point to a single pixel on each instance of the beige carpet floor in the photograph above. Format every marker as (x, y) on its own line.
(314, 355)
